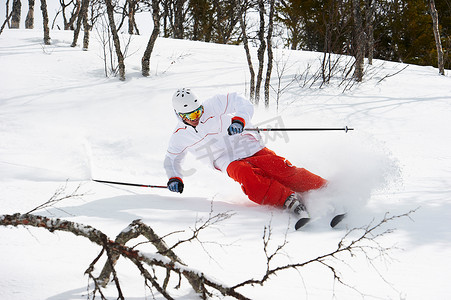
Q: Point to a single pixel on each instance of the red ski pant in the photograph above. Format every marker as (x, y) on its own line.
(269, 179)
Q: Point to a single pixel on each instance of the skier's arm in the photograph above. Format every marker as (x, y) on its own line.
(242, 110)
(172, 164)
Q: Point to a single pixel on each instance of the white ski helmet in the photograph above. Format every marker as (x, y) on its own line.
(184, 101)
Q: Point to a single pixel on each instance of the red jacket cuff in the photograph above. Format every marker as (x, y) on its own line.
(239, 119)
(176, 178)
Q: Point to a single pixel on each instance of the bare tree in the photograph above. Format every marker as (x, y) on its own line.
(165, 16)
(8, 17)
(270, 53)
(82, 19)
(4, 23)
(86, 26)
(256, 82)
(177, 17)
(109, 46)
(369, 19)
(74, 14)
(242, 11)
(45, 20)
(117, 44)
(16, 10)
(438, 43)
(132, 6)
(68, 19)
(96, 10)
(145, 61)
(261, 49)
(281, 65)
(29, 21)
(359, 44)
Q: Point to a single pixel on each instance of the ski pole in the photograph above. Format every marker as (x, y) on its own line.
(132, 184)
(345, 129)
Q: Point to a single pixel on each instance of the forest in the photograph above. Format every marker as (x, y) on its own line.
(411, 32)
(401, 29)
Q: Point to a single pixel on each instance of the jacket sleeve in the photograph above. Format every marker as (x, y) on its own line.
(173, 160)
(240, 107)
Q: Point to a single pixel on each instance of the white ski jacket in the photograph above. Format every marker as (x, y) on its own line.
(209, 141)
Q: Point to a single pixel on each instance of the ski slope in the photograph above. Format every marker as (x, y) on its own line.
(62, 123)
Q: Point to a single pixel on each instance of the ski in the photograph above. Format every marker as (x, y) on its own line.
(301, 222)
(337, 219)
(333, 223)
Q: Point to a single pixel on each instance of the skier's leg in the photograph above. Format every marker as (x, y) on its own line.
(258, 188)
(277, 167)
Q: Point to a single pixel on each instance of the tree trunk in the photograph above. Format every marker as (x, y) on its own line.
(179, 19)
(325, 64)
(15, 18)
(145, 61)
(45, 21)
(86, 26)
(438, 43)
(261, 50)
(75, 13)
(242, 12)
(117, 44)
(270, 54)
(218, 14)
(80, 19)
(29, 21)
(6, 22)
(165, 16)
(369, 13)
(359, 42)
(131, 15)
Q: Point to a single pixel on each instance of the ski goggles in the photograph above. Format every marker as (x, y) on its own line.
(193, 115)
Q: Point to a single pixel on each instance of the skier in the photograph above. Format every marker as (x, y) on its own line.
(215, 131)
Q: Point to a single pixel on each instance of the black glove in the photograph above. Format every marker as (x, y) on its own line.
(236, 127)
(175, 185)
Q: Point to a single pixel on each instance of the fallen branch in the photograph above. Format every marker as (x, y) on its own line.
(196, 279)
(364, 242)
(135, 229)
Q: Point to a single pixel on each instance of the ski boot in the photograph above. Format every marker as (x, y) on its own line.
(294, 204)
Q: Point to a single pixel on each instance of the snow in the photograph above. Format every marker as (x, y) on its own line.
(62, 123)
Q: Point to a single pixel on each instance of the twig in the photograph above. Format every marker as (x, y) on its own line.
(58, 196)
(391, 75)
(343, 246)
(6, 21)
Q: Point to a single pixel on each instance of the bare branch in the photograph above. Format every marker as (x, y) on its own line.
(391, 75)
(58, 196)
(353, 247)
(365, 243)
